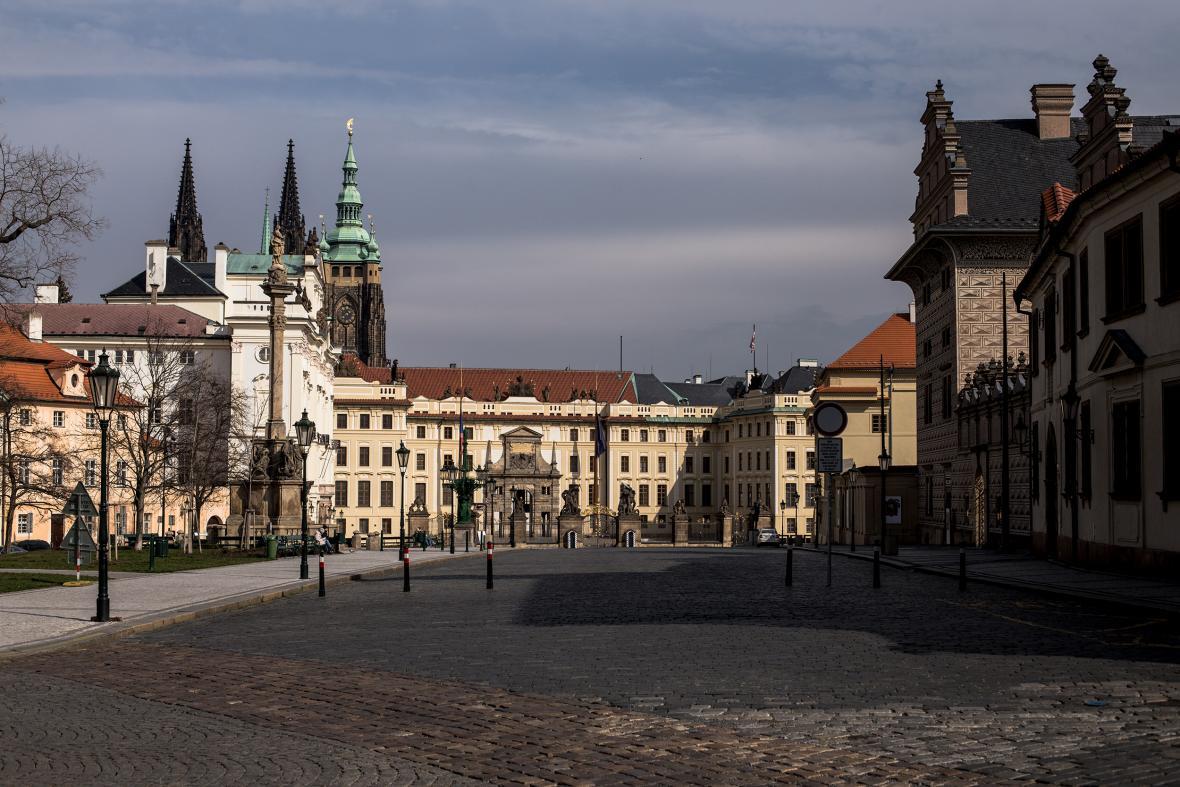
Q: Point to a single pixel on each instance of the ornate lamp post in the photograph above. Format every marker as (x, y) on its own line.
(305, 432)
(489, 494)
(403, 461)
(462, 481)
(104, 388)
(883, 459)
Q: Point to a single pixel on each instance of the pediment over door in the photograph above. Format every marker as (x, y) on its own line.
(1117, 353)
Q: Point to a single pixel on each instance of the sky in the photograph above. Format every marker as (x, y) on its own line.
(547, 175)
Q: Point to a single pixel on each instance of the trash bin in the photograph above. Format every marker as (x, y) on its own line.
(272, 547)
(161, 547)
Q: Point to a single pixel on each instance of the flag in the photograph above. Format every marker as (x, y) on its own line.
(753, 338)
(599, 436)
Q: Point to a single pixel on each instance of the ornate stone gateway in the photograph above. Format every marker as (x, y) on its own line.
(524, 507)
(600, 527)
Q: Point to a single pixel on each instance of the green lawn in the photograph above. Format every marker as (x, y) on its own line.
(131, 560)
(10, 583)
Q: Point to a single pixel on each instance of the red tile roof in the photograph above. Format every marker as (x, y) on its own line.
(895, 339)
(562, 384)
(25, 365)
(115, 319)
(1055, 200)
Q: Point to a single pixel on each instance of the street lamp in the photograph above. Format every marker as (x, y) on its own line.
(403, 461)
(883, 460)
(104, 389)
(304, 432)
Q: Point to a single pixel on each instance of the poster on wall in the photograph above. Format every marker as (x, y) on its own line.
(892, 510)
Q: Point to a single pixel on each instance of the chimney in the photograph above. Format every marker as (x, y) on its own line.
(33, 325)
(156, 266)
(697, 379)
(46, 293)
(1052, 105)
(913, 313)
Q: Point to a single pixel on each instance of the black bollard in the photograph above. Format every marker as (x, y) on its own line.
(876, 568)
(491, 549)
(466, 540)
(962, 570)
(790, 564)
(406, 572)
(323, 588)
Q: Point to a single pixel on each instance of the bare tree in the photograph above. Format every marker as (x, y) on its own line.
(34, 464)
(44, 211)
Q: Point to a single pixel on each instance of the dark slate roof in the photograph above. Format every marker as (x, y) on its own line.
(1149, 129)
(181, 280)
(703, 394)
(797, 379)
(651, 391)
(206, 270)
(1010, 167)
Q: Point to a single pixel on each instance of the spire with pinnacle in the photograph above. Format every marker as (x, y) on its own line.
(265, 245)
(289, 218)
(185, 230)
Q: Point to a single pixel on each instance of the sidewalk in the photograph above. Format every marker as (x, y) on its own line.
(37, 619)
(1028, 573)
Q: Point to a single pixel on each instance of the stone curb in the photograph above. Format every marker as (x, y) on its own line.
(170, 617)
(1012, 584)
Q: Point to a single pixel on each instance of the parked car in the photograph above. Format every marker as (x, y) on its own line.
(32, 544)
(767, 536)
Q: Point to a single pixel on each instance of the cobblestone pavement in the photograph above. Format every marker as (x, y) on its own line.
(643, 666)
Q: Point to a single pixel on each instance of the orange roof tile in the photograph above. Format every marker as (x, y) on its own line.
(894, 339)
(25, 370)
(1055, 200)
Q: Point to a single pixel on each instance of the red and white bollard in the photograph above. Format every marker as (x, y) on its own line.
(491, 551)
(406, 571)
(77, 564)
(323, 588)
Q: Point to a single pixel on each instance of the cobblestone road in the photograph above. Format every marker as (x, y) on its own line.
(617, 666)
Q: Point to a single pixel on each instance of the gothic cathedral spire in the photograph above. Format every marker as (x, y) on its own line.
(289, 218)
(185, 231)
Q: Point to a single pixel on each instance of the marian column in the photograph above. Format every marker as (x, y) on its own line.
(277, 288)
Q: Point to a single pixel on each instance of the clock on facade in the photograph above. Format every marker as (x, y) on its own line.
(345, 314)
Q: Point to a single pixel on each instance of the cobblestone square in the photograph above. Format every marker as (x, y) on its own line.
(615, 666)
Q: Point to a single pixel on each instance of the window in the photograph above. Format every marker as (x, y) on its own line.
(880, 423)
(741, 431)
(1170, 250)
(362, 494)
(363, 524)
(366, 421)
(791, 460)
(741, 463)
(363, 456)
(643, 435)
(57, 470)
(624, 464)
(1171, 437)
(662, 435)
(811, 492)
(758, 460)
(26, 417)
(448, 459)
(386, 525)
(946, 397)
(387, 456)
(341, 455)
(643, 463)
(420, 491)
(448, 496)
(690, 494)
(183, 468)
(727, 435)
(811, 460)
(644, 495)
(928, 405)
(790, 427)
(59, 418)
(184, 412)
(91, 472)
(120, 473)
(662, 464)
(419, 462)
(791, 493)
(1084, 292)
(705, 465)
(420, 432)
(624, 435)
(1050, 307)
(186, 357)
(341, 500)
(662, 495)
(468, 432)
(448, 433)
(705, 436)
(121, 519)
(758, 429)
(946, 337)
(725, 465)
(688, 464)
(341, 420)
(706, 495)
(927, 348)
(1124, 269)
(574, 435)
(574, 463)
(387, 420)
(1087, 452)
(946, 278)
(1125, 454)
(24, 524)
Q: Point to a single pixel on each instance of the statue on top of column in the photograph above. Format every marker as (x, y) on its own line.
(278, 271)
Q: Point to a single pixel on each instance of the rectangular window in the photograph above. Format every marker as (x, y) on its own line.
(448, 497)
(420, 491)
(644, 495)
(57, 470)
(121, 473)
(1171, 437)
(706, 495)
(643, 464)
(420, 432)
(643, 435)
(741, 461)
(341, 500)
(386, 494)
(1170, 250)
(26, 417)
(387, 420)
(810, 492)
(91, 472)
(24, 524)
(947, 397)
(662, 495)
(791, 460)
(758, 460)
(341, 420)
(624, 435)
(419, 462)
(624, 464)
(448, 433)
(928, 404)
(387, 456)
(1087, 452)
(363, 456)
(790, 493)
(688, 464)
(790, 427)
(706, 436)
(662, 464)
(662, 435)
(187, 357)
(946, 337)
(1126, 483)
(725, 464)
(689, 436)
(362, 494)
(1124, 269)
(468, 432)
(690, 494)
(705, 465)
(880, 423)
(341, 455)
(366, 421)
(59, 418)
(574, 464)
(447, 460)
(811, 460)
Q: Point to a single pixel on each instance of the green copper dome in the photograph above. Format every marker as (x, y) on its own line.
(348, 241)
